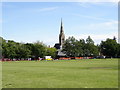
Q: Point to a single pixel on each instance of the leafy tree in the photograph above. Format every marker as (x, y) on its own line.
(1, 47)
(51, 52)
(22, 51)
(10, 49)
(4, 49)
(69, 47)
(109, 48)
(79, 47)
(83, 44)
(90, 48)
(30, 46)
(118, 54)
(89, 40)
(39, 49)
(74, 48)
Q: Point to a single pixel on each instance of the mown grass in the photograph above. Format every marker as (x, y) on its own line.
(92, 73)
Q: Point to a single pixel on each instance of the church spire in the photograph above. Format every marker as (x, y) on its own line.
(61, 22)
(61, 29)
(61, 35)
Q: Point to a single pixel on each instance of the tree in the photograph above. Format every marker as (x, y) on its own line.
(51, 52)
(90, 48)
(22, 51)
(118, 54)
(1, 39)
(109, 48)
(73, 47)
(69, 47)
(89, 40)
(9, 49)
(39, 49)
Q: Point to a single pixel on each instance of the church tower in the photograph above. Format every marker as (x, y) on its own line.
(61, 35)
(59, 45)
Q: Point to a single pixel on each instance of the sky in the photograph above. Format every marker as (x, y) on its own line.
(40, 21)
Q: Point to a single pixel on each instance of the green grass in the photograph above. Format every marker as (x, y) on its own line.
(92, 73)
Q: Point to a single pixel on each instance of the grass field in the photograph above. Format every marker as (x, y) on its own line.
(92, 73)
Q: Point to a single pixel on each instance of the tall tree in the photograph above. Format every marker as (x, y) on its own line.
(118, 54)
(69, 47)
(109, 48)
(22, 51)
(1, 39)
(90, 48)
(51, 52)
(73, 47)
(9, 49)
(89, 40)
(39, 49)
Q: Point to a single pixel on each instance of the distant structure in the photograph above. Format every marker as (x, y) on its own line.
(59, 45)
(61, 35)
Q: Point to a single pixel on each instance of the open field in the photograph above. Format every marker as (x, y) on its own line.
(92, 73)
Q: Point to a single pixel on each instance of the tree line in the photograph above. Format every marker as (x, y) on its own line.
(72, 48)
(11, 49)
(85, 48)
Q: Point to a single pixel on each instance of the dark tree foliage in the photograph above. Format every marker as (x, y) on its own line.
(1, 39)
(75, 48)
(11, 50)
(118, 50)
(38, 50)
(91, 49)
(72, 48)
(51, 52)
(110, 48)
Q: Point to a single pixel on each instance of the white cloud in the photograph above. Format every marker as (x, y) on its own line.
(98, 31)
(60, 0)
(97, 38)
(98, 3)
(46, 9)
(92, 17)
(98, 0)
(51, 41)
(106, 24)
(103, 27)
(7, 5)
(111, 25)
(1, 21)
(83, 4)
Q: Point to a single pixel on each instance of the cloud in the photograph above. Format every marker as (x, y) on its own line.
(104, 27)
(51, 41)
(83, 4)
(1, 21)
(60, 0)
(98, 3)
(6, 5)
(92, 17)
(97, 0)
(97, 31)
(107, 25)
(97, 38)
(46, 9)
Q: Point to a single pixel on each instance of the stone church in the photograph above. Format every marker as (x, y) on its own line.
(59, 45)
